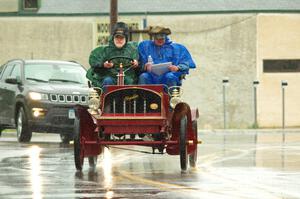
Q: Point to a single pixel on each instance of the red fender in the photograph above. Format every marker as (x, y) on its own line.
(87, 132)
(181, 110)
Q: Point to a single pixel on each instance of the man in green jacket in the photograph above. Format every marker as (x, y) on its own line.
(105, 60)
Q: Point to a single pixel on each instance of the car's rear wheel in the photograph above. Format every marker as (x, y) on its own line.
(24, 133)
(182, 143)
(193, 156)
(78, 149)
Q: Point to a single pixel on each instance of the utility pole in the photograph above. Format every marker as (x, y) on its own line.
(113, 13)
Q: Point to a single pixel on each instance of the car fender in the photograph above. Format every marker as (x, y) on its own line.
(182, 109)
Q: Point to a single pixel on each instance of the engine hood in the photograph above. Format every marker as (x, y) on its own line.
(60, 88)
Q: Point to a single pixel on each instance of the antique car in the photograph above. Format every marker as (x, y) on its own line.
(145, 115)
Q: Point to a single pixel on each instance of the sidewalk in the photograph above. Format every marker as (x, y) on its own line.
(269, 130)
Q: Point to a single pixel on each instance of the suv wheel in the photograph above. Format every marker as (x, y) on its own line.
(66, 138)
(23, 131)
(1, 129)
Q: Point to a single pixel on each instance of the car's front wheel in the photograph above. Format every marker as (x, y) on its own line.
(1, 129)
(23, 131)
(182, 143)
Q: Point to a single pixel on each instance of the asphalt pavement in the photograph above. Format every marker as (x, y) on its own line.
(248, 163)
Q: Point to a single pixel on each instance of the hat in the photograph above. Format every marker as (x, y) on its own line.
(121, 29)
(159, 30)
(119, 33)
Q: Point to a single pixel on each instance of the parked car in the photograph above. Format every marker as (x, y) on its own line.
(39, 96)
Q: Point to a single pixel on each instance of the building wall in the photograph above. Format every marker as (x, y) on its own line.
(45, 38)
(223, 45)
(278, 38)
(9, 6)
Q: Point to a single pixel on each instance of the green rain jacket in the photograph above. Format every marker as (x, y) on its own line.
(99, 55)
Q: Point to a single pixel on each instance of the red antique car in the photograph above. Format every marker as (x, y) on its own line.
(146, 115)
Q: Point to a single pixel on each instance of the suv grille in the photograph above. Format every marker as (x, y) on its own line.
(68, 98)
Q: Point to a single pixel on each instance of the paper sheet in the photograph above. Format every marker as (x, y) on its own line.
(161, 68)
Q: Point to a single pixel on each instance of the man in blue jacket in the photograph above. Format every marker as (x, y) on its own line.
(161, 49)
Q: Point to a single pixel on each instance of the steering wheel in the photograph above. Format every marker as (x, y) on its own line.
(121, 57)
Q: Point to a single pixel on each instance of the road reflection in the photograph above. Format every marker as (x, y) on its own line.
(107, 172)
(230, 165)
(35, 168)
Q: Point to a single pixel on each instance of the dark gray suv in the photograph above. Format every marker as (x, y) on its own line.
(39, 96)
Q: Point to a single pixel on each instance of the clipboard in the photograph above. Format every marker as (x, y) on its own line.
(159, 69)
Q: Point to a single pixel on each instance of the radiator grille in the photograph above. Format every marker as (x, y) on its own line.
(62, 98)
(132, 101)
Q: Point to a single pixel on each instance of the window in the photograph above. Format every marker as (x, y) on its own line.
(7, 70)
(16, 72)
(1, 69)
(281, 66)
(30, 4)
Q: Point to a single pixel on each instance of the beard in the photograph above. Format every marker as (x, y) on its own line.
(120, 44)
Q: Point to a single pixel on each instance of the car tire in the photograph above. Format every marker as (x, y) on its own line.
(78, 149)
(182, 143)
(23, 131)
(66, 138)
(1, 129)
(193, 156)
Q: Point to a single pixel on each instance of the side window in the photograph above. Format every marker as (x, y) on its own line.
(16, 70)
(1, 69)
(7, 71)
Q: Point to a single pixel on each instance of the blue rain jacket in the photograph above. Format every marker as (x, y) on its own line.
(169, 52)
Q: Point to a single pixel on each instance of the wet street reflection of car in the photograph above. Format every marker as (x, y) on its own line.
(39, 95)
(250, 164)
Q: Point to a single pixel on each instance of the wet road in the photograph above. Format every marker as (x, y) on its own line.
(236, 164)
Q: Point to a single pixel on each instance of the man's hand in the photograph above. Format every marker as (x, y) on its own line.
(148, 67)
(108, 64)
(135, 63)
(173, 68)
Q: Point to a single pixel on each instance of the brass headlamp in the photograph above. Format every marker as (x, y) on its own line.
(175, 96)
(94, 102)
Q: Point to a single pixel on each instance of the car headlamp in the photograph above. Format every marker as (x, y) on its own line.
(175, 96)
(38, 96)
(174, 101)
(94, 101)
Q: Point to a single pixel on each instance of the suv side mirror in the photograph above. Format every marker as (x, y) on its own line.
(13, 80)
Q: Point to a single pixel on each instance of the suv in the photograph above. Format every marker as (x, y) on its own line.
(39, 96)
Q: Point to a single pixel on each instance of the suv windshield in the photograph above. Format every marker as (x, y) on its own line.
(46, 72)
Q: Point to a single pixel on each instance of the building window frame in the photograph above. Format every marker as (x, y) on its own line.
(281, 65)
(26, 5)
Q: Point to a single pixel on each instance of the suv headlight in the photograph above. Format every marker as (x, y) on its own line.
(38, 96)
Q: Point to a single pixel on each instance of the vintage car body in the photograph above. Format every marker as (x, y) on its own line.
(127, 114)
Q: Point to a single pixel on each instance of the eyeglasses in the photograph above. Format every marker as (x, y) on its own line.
(159, 36)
